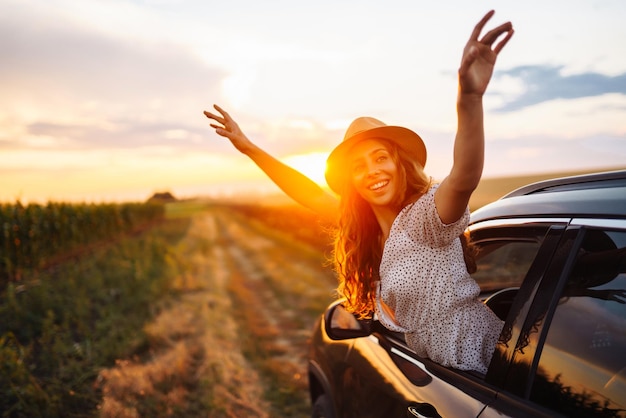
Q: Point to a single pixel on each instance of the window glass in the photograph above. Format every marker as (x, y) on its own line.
(582, 369)
(502, 264)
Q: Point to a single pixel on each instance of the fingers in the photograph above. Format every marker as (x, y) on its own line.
(503, 42)
(221, 119)
(225, 125)
(491, 36)
(480, 25)
(222, 111)
(212, 116)
(221, 131)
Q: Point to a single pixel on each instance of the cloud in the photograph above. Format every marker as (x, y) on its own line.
(119, 134)
(544, 83)
(89, 89)
(96, 67)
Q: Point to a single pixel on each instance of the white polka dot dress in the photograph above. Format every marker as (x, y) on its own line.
(424, 280)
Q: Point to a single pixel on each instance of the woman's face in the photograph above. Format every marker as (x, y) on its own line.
(374, 173)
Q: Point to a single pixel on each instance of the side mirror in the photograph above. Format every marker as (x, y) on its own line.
(342, 325)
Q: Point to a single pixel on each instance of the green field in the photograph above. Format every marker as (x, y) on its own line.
(184, 318)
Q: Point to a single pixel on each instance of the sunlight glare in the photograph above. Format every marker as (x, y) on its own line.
(237, 87)
(312, 165)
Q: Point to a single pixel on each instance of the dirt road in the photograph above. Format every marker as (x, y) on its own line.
(235, 342)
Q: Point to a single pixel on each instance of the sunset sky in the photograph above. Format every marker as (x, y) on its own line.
(102, 100)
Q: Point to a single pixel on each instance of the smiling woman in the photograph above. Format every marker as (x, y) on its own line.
(398, 249)
(312, 165)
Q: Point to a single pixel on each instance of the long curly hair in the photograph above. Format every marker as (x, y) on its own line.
(358, 249)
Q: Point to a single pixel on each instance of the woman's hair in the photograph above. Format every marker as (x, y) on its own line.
(358, 251)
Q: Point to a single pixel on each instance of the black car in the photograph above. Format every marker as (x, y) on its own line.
(552, 264)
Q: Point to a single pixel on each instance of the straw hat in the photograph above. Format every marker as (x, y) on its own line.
(367, 128)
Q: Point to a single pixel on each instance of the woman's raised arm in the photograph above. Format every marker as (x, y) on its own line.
(475, 72)
(295, 184)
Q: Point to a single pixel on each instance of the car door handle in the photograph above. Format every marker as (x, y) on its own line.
(422, 410)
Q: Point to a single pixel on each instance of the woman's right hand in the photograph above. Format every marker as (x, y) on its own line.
(298, 186)
(228, 128)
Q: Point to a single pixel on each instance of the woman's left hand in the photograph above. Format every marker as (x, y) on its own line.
(479, 57)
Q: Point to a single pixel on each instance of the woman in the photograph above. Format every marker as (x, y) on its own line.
(398, 250)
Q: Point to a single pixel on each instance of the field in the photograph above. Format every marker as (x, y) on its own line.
(198, 309)
(207, 313)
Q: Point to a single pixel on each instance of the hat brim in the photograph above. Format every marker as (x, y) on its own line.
(337, 171)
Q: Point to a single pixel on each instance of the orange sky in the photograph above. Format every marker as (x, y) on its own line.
(103, 101)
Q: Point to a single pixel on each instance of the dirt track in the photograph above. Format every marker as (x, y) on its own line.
(235, 343)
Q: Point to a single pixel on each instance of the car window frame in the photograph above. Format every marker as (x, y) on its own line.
(512, 396)
(513, 230)
(582, 227)
(499, 371)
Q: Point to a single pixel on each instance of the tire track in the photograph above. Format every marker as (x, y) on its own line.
(195, 366)
(279, 289)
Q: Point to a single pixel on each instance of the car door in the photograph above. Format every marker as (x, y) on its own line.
(568, 358)
(386, 379)
(383, 377)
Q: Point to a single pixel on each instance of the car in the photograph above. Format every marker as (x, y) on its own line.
(552, 264)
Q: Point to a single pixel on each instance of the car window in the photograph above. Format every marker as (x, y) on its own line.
(582, 369)
(502, 264)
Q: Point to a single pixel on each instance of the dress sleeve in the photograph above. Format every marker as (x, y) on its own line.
(427, 225)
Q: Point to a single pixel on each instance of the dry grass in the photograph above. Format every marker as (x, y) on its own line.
(234, 343)
(279, 287)
(195, 366)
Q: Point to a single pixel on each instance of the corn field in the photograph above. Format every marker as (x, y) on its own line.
(34, 236)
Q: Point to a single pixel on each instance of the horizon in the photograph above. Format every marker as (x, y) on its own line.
(267, 193)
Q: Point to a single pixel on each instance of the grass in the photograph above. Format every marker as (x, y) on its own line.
(143, 327)
(194, 365)
(279, 291)
(59, 327)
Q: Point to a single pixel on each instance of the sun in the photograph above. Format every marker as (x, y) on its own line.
(312, 165)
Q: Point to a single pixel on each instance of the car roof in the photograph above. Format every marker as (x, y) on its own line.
(597, 195)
